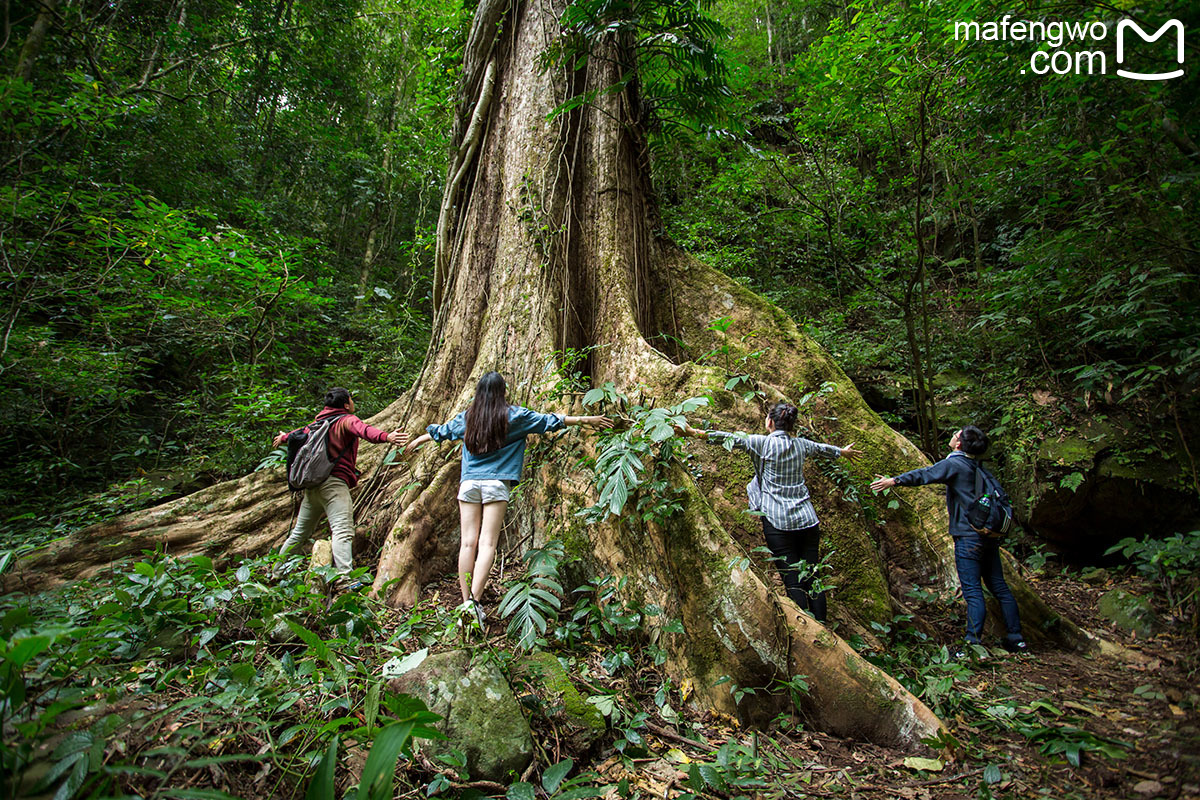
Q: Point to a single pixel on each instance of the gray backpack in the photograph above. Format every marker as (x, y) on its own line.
(309, 463)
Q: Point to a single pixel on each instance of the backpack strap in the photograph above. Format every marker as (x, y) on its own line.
(978, 479)
(333, 421)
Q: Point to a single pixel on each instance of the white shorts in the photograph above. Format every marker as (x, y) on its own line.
(489, 491)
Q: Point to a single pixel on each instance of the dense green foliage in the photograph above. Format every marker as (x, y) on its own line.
(212, 213)
(177, 670)
(1173, 562)
(923, 207)
(668, 53)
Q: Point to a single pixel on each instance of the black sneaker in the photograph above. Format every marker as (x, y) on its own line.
(1019, 646)
(480, 614)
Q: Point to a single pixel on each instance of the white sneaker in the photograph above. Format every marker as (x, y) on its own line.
(480, 614)
(468, 614)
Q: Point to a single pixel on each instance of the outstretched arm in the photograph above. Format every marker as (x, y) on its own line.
(596, 421)
(417, 442)
(833, 451)
(935, 473)
(881, 483)
(356, 427)
(741, 441)
(280, 438)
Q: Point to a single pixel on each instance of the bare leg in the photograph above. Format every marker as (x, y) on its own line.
(470, 516)
(489, 537)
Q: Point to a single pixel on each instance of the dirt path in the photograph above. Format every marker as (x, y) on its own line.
(1151, 709)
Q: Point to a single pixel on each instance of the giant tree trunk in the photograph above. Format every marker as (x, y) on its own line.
(549, 241)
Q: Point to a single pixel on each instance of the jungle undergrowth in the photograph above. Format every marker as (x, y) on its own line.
(175, 673)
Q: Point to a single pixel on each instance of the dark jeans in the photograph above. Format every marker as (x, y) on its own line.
(788, 548)
(979, 559)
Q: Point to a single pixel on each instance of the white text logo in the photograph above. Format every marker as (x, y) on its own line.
(1125, 25)
(1071, 48)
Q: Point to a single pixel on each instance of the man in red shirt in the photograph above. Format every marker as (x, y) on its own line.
(332, 498)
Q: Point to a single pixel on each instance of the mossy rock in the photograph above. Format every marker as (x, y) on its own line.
(1104, 480)
(961, 399)
(1130, 612)
(1080, 448)
(481, 717)
(953, 380)
(581, 721)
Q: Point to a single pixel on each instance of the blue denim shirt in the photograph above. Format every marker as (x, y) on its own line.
(503, 464)
(957, 471)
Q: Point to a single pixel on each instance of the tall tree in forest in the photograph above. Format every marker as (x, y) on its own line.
(550, 248)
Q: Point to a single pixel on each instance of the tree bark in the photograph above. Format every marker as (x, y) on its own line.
(553, 244)
(35, 39)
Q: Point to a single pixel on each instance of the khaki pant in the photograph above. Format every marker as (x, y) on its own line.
(331, 499)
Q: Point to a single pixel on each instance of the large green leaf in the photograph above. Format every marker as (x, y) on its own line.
(379, 773)
(321, 787)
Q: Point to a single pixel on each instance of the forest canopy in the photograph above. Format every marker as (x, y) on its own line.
(218, 210)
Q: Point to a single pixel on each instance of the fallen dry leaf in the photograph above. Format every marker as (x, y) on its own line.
(1082, 707)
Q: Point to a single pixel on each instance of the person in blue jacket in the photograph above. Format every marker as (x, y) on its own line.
(493, 452)
(976, 557)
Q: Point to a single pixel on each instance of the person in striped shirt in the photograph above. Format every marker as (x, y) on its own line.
(779, 493)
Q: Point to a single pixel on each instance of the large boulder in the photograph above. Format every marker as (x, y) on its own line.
(481, 716)
(1091, 486)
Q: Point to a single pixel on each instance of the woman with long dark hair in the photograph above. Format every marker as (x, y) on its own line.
(779, 493)
(493, 436)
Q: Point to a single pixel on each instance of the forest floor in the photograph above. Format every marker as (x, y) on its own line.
(1146, 714)
(1133, 726)
(1048, 724)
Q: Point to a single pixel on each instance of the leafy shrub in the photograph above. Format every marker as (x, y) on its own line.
(215, 658)
(1174, 563)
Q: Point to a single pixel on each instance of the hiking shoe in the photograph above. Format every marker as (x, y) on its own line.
(480, 614)
(968, 651)
(469, 614)
(344, 583)
(1019, 646)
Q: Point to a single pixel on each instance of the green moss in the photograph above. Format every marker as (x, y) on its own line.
(1072, 451)
(1151, 470)
(576, 542)
(554, 678)
(879, 689)
(709, 577)
(952, 380)
(857, 569)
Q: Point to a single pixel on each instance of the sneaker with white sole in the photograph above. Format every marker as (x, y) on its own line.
(480, 614)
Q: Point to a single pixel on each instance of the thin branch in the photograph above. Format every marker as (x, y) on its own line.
(223, 46)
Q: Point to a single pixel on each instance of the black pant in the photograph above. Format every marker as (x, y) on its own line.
(790, 547)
